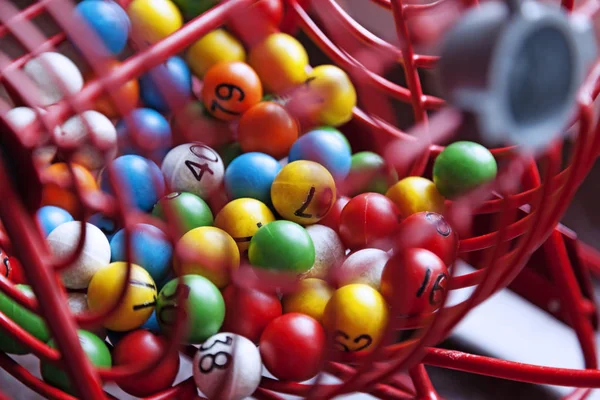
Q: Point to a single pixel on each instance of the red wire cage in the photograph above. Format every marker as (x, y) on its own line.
(499, 235)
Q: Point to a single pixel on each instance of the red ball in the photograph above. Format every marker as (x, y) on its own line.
(269, 14)
(414, 282)
(431, 231)
(369, 220)
(291, 347)
(142, 346)
(250, 311)
(11, 268)
(332, 219)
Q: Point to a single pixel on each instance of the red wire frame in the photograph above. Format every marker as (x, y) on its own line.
(547, 194)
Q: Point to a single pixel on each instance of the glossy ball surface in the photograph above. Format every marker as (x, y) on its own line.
(148, 127)
(329, 251)
(332, 219)
(50, 217)
(128, 95)
(109, 21)
(64, 197)
(292, 347)
(188, 211)
(416, 194)
(214, 47)
(364, 266)
(335, 94)
(11, 268)
(267, 14)
(174, 79)
(461, 167)
(153, 20)
(310, 298)
(251, 175)
(49, 81)
(370, 173)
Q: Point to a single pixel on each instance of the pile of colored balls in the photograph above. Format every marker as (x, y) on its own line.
(361, 246)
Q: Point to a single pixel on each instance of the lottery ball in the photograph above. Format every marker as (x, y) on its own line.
(214, 47)
(143, 347)
(251, 175)
(230, 88)
(93, 347)
(21, 118)
(461, 167)
(137, 177)
(153, 20)
(369, 173)
(356, 317)
(64, 196)
(78, 305)
(329, 251)
(11, 268)
(428, 231)
(173, 75)
(310, 298)
(107, 225)
(369, 220)
(29, 321)
(282, 246)
(267, 128)
(50, 217)
(51, 72)
(416, 194)
(136, 306)
(144, 127)
(364, 266)
(326, 147)
(204, 307)
(109, 21)
(227, 366)
(332, 219)
(150, 249)
(303, 192)
(186, 211)
(292, 347)
(268, 13)
(241, 218)
(414, 282)
(95, 255)
(127, 94)
(209, 252)
(280, 61)
(250, 311)
(194, 168)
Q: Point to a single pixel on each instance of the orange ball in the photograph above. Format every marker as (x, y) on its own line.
(230, 88)
(65, 197)
(129, 93)
(267, 128)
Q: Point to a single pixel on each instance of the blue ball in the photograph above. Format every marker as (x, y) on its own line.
(49, 217)
(150, 325)
(141, 180)
(327, 147)
(152, 128)
(251, 175)
(177, 77)
(109, 21)
(102, 222)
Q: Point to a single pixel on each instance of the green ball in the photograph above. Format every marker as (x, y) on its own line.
(282, 246)
(27, 320)
(229, 152)
(96, 351)
(371, 172)
(461, 167)
(190, 211)
(205, 308)
(192, 8)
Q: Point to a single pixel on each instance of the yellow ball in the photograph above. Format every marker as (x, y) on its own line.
(303, 192)
(152, 20)
(415, 194)
(357, 316)
(212, 48)
(310, 298)
(136, 306)
(335, 92)
(241, 218)
(280, 61)
(207, 251)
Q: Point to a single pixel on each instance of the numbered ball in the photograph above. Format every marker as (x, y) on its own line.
(303, 192)
(227, 366)
(369, 173)
(415, 194)
(170, 81)
(145, 131)
(414, 282)
(11, 268)
(50, 217)
(153, 20)
(428, 231)
(230, 88)
(251, 175)
(364, 266)
(128, 95)
(310, 298)
(332, 219)
(369, 220)
(194, 168)
(109, 21)
(51, 72)
(462, 167)
(62, 194)
(143, 347)
(356, 317)
(204, 307)
(214, 47)
(241, 218)
(329, 251)
(95, 255)
(109, 226)
(185, 211)
(292, 347)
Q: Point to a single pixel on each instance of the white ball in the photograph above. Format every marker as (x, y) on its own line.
(194, 168)
(364, 266)
(49, 69)
(78, 305)
(95, 255)
(227, 366)
(329, 251)
(102, 130)
(22, 117)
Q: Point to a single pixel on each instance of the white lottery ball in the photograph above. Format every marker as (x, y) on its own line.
(329, 251)
(78, 305)
(194, 168)
(227, 366)
(364, 266)
(22, 117)
(47, 71)
(95, 255)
